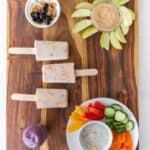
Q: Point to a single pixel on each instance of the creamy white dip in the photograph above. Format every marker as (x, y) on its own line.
(95, 137)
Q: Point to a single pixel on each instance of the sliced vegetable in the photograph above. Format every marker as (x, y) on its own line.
(92, 116)
(75, 126)
(80, 110)
(116, 106)
(105, 40)
(99, 105)
(121, 141)
(84, 5)
(109, 112)
(88, 32)
(120, 116)
(130, 125)
(81, 13)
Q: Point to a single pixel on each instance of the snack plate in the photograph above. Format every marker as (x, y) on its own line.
(73, 140)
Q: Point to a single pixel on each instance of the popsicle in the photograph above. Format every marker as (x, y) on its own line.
(45, 98)
(64, 73)
(45, 50)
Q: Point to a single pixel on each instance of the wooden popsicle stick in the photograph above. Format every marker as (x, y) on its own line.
(85, 72)
(24, 97)
(22, 51)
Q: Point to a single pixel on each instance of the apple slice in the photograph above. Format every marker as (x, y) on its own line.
(132, 14)
(89, 31)
(84, 5)
(114, 41)
(126, 16)
(122, 2)
(96, 2)
(105, 40)
(81, 25)
(120, 36)
(124, 29)
(81, 13)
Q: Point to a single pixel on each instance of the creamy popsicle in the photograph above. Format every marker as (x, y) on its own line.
(45, 50)
(45, 98)
(64, 73)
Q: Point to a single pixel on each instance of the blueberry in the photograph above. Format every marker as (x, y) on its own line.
(48, 20)
(39, 20)
(42, 16)
(35, 15)
(45, 8)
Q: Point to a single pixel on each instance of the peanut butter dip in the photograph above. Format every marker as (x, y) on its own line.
(105, 17)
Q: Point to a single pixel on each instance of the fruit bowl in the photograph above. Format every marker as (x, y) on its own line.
(32, 3)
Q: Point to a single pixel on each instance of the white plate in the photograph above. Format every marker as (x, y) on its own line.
(73, 139)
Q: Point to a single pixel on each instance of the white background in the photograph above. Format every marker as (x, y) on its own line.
(144, 59)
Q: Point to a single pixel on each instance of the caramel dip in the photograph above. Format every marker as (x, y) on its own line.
(105, 17)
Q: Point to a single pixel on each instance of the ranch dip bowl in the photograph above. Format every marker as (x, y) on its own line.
(95, 135)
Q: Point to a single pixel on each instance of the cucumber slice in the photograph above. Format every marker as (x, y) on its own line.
(84, 5)
(130, 125)
(122, 2)
(124, 29)
(81, 25)
(120, 35)
(105, 40)
(114, 41)
(96, 2)
(126, 16)
(116, 106)
(88, 32)
(120, 129)
(81, 13)
(125, 120)
(120, 116)
(109, 112)
(117, 123)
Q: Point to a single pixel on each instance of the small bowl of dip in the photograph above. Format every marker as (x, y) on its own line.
(42, 13)
(95, 135)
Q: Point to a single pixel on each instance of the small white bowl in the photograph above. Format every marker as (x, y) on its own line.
(103, 129)
(28, 8)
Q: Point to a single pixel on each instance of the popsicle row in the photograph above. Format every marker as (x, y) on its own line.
(52, 73)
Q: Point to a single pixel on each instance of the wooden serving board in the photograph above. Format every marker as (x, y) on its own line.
(117, 78)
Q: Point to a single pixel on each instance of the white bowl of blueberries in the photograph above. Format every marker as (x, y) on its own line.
(42, 13)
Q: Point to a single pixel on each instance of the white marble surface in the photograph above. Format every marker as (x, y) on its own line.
(144, 90)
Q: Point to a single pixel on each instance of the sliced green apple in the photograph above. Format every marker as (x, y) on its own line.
(89, 31)
(81, 13)
(126, 16)
(105, 40)
(120, 36)
(96, 2)
(81, 25)
(114, 41)
(132, 14)
(84, 5)
(124, 29)
(122, 2)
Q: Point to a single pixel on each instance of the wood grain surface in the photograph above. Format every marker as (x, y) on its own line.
(117, 78)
